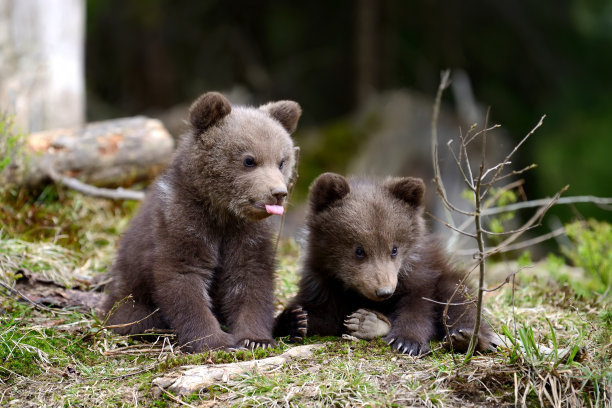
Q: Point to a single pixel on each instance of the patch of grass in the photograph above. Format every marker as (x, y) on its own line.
(592, 251)
(49, 261)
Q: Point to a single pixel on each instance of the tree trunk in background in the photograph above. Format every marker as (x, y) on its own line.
(366, 57)
(41, 63)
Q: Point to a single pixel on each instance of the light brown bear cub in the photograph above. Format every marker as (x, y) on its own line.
(199, 255)
(371, 269)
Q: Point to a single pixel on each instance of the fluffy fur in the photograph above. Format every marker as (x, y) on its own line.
(369, 259)
(198, 255)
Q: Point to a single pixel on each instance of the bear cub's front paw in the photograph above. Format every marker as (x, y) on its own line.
(408, 346)
(367, 324)
(298, 326)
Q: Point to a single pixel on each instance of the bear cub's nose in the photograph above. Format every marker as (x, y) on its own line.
(384, 293)
(280, 193)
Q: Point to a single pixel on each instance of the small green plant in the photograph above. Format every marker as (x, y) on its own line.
(592, 251)
(524, 346)
(498, 224)
(8, 141)
(11, 151)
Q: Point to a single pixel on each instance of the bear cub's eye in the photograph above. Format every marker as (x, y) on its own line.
(249, 161)
(394, 252)
(282, 163)
(360, 253)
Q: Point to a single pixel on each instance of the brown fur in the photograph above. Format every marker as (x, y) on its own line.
(198, 255)
(350, 264)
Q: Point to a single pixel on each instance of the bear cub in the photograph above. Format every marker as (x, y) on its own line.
(199, 255)
(371, 269)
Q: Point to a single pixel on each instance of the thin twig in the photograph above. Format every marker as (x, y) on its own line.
(535, 218)
(520, 245)
(512, 173)
(507, 280)
(522, 229)
(543, 201)
(176, 399)
(448, 303)
(495, 178)
(467, 234)
(116, 326)
(481, 131)
(467, 161)
(468, 181)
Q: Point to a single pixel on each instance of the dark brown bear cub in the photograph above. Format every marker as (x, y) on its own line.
(371, 269)
(199, 255)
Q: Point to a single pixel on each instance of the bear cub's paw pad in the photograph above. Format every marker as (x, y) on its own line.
(367, 325)
(252, 344)
(299, 324)
(407, 346)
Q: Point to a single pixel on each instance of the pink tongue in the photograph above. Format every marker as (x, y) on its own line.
(275, 209)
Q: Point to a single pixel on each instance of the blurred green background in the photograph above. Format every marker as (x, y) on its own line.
(523, 58)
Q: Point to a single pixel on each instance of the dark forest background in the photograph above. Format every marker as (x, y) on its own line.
(524, 59)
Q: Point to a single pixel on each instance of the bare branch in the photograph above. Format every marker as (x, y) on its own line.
(467, 234)
(463, 148)
(449, 205)
(519, 230)
(469, 182)
(448, 303)
(520, 245)
(88, 189)
(481, 131)
(533, 241)
(535, 218)
(116, 326)
(543, 201)
(507, 280)
(495, 168)
(512, 173)
(495, 178)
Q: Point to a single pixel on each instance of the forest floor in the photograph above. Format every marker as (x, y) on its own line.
(54, 351)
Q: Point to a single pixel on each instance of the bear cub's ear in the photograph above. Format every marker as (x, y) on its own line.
(408, 189)
(207, 110)
(327, 189)
(286, 112)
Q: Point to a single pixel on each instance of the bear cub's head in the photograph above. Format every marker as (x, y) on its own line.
(365, 233)
(240, 159)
